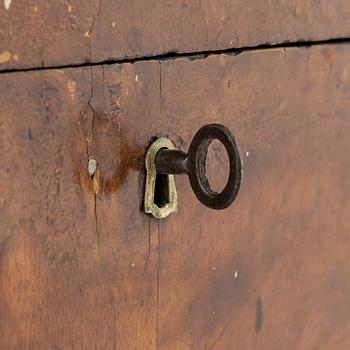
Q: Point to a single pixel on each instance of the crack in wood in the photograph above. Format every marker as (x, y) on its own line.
(190, 55)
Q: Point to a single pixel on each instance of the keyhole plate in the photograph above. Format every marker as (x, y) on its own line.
(169, 205)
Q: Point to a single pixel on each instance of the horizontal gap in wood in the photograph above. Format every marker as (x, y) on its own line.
(191, 55)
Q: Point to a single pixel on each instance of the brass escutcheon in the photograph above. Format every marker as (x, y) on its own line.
(150, 206)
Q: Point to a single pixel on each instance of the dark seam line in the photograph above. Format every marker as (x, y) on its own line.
(190, 55)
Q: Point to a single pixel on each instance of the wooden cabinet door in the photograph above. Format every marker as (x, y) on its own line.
(83, 267)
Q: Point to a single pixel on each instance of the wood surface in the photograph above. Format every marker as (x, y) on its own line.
(62, 32)
(82, 267)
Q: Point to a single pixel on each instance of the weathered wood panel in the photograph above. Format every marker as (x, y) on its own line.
(60, 32)
(83, 268)
(272, 271)
(77, 260)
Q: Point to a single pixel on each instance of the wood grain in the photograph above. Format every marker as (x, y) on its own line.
(61, 32)
(81, 267)
(78, 262)
(270, 272)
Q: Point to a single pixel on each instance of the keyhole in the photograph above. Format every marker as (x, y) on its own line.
(161, 190)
